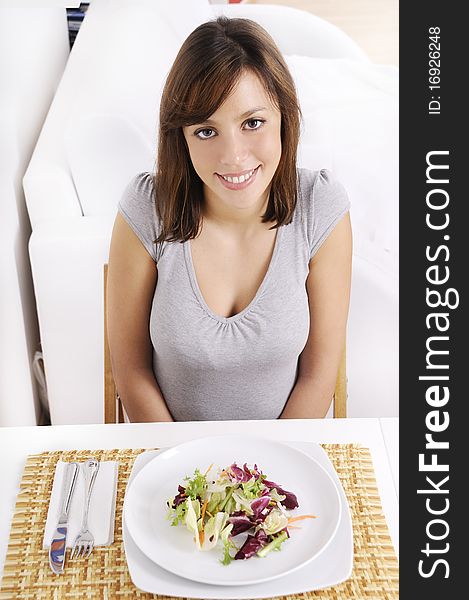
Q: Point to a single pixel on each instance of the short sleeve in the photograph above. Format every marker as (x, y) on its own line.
(324, 202)
(138, 209)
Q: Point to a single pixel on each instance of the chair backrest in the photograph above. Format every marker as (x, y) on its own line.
(113, 410)
(340, 392)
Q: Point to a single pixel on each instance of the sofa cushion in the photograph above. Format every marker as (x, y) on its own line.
(350, 126)
(104, 152)
(114, 78)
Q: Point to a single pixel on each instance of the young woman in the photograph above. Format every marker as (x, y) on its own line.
(229, 268)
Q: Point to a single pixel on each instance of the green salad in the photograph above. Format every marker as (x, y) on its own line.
(221, 504)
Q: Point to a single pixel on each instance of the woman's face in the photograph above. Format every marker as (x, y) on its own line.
(237, 150)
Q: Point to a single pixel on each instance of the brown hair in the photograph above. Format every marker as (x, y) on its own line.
(205, 71)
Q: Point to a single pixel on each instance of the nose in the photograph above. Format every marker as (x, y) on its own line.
(234, 150)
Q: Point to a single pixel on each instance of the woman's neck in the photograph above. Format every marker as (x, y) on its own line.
(239, 221)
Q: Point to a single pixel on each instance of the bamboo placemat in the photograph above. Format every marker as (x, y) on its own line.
(104, 576)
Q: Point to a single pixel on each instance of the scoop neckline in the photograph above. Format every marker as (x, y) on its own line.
(260, 289)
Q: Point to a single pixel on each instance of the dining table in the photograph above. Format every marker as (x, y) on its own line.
(380, 435)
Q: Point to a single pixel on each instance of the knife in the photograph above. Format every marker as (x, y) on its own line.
(57, 548)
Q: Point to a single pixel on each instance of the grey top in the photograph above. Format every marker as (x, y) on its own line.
(210, 367)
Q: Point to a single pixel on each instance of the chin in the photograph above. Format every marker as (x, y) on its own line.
(242, 200)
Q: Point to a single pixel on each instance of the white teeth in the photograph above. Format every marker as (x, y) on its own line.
(240, 179)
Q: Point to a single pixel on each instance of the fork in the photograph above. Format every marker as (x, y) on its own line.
(85, 541)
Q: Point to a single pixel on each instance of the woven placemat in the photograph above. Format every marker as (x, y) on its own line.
(104, 576)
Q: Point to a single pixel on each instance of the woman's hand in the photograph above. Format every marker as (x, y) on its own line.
(328, 287)
(132, 278)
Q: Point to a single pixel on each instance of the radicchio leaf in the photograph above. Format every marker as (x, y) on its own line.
(263, 515)
(237, 474)
(241, 523)
(259, 504)
(252, 544)
(290, 502)
(181, 497)
(254, 472)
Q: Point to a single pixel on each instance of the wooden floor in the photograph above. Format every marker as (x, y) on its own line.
(373, 24)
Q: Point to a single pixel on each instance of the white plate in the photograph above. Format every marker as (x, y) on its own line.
(173, 548)
(331, 567)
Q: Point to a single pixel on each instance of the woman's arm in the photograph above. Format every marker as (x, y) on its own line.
(328, 287)
(132, 277)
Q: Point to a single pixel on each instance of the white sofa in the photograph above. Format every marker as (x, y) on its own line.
(101, 129)
(34, 49)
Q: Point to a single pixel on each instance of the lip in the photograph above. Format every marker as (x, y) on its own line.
(238, 186)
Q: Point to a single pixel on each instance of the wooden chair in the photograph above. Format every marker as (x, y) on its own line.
(113, 410)
(340, 392)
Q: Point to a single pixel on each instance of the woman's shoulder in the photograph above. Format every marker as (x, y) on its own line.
(137, 206)
(322, 201)
(313, 185)
(140, 185)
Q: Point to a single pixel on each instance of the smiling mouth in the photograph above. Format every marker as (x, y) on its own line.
(236, 180)
(240, 178)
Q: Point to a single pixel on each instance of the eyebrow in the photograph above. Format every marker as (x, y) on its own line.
(246, 114)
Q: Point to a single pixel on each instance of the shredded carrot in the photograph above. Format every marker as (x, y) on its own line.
(202, 515)
(204, 508)
(208, 469)
(293, 519)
